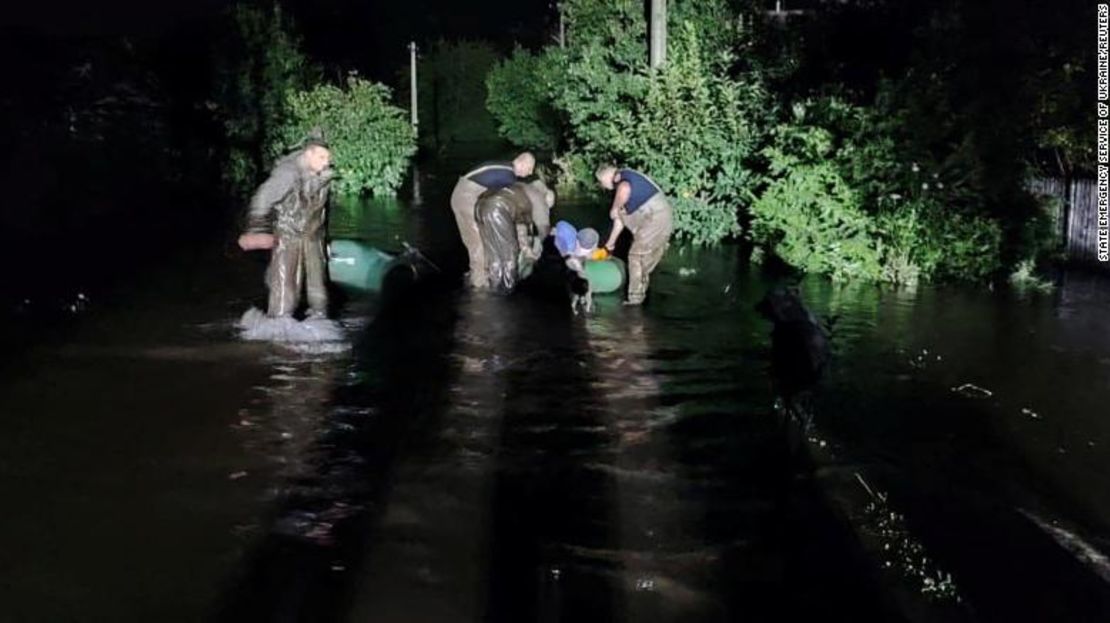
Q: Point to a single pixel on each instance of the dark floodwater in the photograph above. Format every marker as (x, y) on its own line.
(480, 458)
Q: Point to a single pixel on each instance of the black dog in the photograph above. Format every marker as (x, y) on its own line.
(799, 349)
(552, 279)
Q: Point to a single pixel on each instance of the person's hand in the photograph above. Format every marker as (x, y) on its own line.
(252, 242)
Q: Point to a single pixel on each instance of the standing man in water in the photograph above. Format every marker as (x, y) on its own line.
(641, 206)
(487, 176)
(287, 215)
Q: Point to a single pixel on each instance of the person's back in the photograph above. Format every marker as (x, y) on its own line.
(493, 175)
(497, 213)
(507, 226)
(643, 189)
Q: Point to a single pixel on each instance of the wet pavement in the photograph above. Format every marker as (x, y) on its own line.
(473, 457)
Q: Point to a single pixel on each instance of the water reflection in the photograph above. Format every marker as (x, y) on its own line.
(660, 566)
(294, 425)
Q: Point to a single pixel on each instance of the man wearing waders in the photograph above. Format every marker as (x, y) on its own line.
(287, 215)
(512, 223)
(641, 206)
(488, 176)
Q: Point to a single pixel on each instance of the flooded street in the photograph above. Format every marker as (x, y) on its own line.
(480, 458)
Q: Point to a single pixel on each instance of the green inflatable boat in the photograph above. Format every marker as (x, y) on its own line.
(357, 265)
(605, 276)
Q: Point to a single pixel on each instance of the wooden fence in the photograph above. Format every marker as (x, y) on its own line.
(1076, 215)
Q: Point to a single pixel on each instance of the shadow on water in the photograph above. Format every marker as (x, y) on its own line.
(393, 386)
(548, 500)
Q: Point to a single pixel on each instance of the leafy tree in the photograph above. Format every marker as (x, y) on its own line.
(371, 139)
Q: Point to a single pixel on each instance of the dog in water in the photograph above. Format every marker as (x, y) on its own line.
(559, 277)
(578, 286)
(799, 348)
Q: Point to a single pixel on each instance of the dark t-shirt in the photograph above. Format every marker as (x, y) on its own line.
(643, 189)
(493, 175)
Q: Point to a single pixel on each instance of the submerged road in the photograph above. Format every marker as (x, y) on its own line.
(476, 458)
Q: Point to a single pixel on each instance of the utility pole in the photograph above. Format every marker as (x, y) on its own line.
(562, 27)
(412, 96)
(658, 47)
(782, 14)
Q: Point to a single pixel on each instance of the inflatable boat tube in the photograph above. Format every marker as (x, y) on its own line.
(606, 275)
(357, 265)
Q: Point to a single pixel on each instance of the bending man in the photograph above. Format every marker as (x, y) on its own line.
(512, 223)
(485, 177)
(641, 206)
(287, 215)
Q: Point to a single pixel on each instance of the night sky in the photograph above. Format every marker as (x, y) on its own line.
(366, 35)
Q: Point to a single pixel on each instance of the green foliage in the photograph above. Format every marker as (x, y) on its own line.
(452, 93)
(927, 241)
(809, 215)
(968, 247)
(1025, 279)
(257, 63)
(371, 139)
(618, 26)
(841, 200)
(519, 98)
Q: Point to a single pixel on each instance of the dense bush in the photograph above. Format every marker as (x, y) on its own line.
(518, 96)
(843, 199)
(809, 215)
(371, 139)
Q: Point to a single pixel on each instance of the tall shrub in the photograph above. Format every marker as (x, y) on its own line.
(809, 215)
(371, 139)
(518, 96)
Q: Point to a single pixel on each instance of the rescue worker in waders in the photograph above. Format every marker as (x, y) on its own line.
(512, 224)
(639, 205)
(464, 199)
(286, 215)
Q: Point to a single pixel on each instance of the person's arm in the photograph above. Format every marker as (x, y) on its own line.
(620, 199)
(618, 227)
(541, 219)
(275, 189)
(523, 238)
